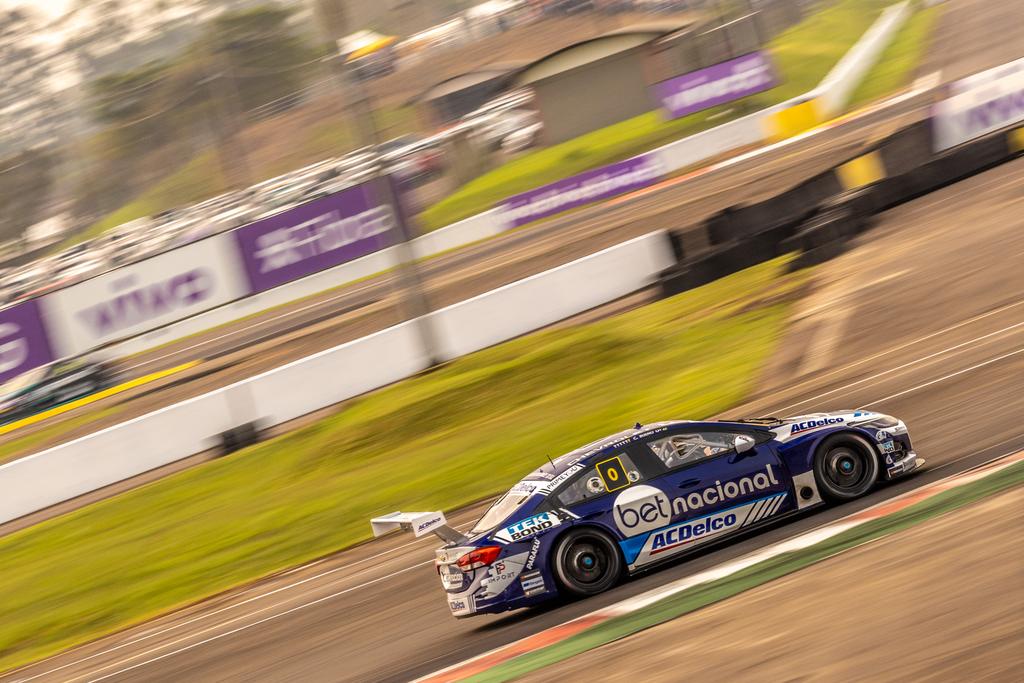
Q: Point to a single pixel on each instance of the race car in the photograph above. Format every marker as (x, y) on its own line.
(52, 385)
(577, 525)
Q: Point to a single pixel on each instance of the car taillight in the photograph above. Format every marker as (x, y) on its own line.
(481, 557)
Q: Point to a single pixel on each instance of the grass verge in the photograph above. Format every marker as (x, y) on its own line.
(802, 55)
(700, 596)
(899, 61)
(454, 436)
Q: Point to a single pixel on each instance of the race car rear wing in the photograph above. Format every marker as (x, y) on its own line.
(419, 523)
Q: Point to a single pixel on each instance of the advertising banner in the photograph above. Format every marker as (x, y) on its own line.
(602, 183)
(144, 295)
(978, 105)
(314, 237)
(716, 84)
(23, 341)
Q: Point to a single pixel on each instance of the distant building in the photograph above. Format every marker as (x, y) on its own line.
(451, 99)
(594, 83)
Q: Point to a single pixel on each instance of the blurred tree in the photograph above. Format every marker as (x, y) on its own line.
(129, 103)
(24, 179)
(257, 50)
(172, 109)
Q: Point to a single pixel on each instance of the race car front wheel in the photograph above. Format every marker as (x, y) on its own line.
(586, 562)
(845, 467)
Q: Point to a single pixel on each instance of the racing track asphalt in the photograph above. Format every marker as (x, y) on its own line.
(933, 333)
(972, 35)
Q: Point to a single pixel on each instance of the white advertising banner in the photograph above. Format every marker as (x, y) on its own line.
(145, 295)
(980, 104)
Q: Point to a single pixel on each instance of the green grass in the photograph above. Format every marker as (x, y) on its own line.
(898, 63)
(199, 179)
(675, 606)
(439, 441)
(803, 56)
(49, 434)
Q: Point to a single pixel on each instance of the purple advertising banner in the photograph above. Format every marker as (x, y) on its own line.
(716, 84)
(602, 183)
(313, 237)
(23, 341)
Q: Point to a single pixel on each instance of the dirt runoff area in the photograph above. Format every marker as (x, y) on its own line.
(941, 601)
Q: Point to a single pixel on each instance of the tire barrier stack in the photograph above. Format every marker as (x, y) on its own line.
(818, 217)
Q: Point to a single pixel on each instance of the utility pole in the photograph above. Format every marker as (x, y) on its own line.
(413, 295)
(355, 96)
(221, 87)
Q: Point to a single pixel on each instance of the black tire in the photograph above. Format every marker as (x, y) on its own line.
(845, 467)
(586, 562)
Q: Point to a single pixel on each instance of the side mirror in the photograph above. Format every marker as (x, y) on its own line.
(743, 443)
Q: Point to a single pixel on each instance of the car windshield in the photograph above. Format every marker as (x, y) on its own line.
(506, 505)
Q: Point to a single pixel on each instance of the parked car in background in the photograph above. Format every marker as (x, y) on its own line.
(513, 130)
(414, 160)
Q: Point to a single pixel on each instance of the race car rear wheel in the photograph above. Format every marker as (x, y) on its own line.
(586, 562)
(845, 467)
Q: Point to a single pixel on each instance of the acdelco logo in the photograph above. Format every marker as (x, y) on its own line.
(814, 424)
(682, 534)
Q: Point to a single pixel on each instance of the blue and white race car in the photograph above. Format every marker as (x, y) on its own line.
(626, 502)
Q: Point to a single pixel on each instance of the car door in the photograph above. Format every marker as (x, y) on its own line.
(590, 495)
(713, 482)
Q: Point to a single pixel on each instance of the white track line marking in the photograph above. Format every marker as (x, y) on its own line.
(895, 349)
(916, 361)
(207, 615)
(186, 648)
(951, 375)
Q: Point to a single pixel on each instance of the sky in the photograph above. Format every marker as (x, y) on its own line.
(53, 8)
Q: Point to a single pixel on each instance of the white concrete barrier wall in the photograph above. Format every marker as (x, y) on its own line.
(714, 142)
(335, 375)
(77, 467)
(472, 229)
(837, 87)
(553, 295)
(326, 378)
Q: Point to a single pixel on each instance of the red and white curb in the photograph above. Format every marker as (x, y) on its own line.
(556, 634)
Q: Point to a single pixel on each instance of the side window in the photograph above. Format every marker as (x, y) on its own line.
(684, 449)
(609, 474)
